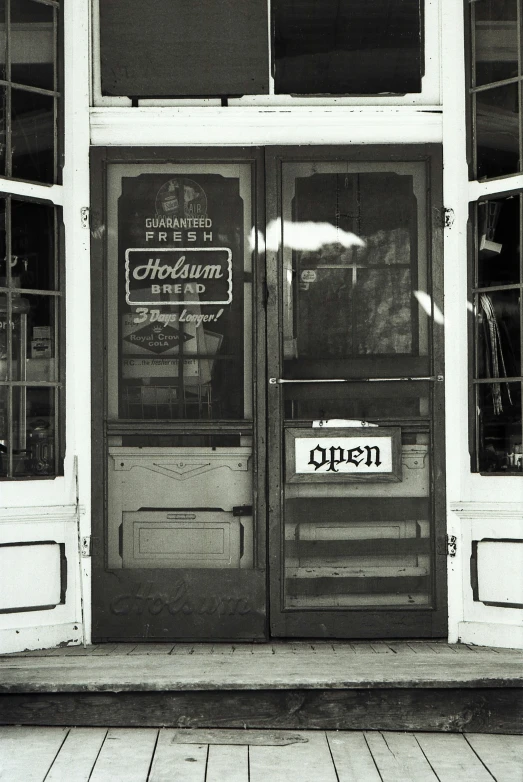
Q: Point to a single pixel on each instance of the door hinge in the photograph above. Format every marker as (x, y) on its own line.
(452, 545)
(84, 216)
(86, 546)
(446, 216)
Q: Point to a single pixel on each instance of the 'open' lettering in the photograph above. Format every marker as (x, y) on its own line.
(332, 457)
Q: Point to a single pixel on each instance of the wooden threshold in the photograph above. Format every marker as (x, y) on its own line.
(322, 685)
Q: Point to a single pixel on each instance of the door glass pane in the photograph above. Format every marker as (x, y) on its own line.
(357, 307)
(181, 295)
(356, 301)
(347, 47)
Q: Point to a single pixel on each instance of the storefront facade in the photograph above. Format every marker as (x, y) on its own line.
(290, 406)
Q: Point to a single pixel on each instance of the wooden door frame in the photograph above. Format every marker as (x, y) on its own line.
(101, 158)
(398, 623)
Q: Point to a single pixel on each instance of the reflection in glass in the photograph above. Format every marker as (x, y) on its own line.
(33, 136)
(347, 47)
(495, 40)
(499, 334)
(498, 242)
(497, 131)
(32, 245)
(32, 44)
(355, 300)
(499, 427)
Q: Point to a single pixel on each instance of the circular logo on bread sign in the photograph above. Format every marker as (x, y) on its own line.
(181, 197)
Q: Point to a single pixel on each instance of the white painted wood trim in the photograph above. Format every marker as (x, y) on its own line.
(488, 510)
(227, 126)
(479, 190)
(455, 184)
(491, 634)
(27, 638)
(53, 193)
(41, 514)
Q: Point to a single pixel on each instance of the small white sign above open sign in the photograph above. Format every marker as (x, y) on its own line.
(345, 454)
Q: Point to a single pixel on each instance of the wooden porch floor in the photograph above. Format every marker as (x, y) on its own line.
(53, 754)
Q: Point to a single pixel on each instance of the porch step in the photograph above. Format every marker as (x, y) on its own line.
(416, 685)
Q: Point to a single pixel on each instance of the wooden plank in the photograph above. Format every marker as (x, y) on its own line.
(485, 709)
(214, 671)
(421, 647)
(77, 756)
(276, 738)
(452, 758)
(502, 755)
(180, 762)
(228, 762)
(126, 754)
(26, 754)
(106, 650)
(352, 757)
(152, 649)
(309, 761)
(399, 758)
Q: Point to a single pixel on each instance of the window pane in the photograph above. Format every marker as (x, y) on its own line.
(499, 427)
(33, 136)
(40, 433)
(33, 245)
(495, 40)
(4, 331)
(499, 334)
(32, 43)
(4, 391)
(347, 46)
(3, 39)
(497, 131)
(498, 242)
(3, 123)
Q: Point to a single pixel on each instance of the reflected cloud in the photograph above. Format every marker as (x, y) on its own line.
(425, 302)
(309, 235)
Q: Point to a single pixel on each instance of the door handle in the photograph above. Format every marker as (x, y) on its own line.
(274, 381)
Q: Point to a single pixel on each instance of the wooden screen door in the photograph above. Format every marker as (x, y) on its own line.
(355, 392)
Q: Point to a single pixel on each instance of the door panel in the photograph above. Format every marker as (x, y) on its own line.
(180, 549)
(351, 278)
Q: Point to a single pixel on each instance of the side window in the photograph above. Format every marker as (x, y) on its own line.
(31, 385)
(497, 374)
(495, 83)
